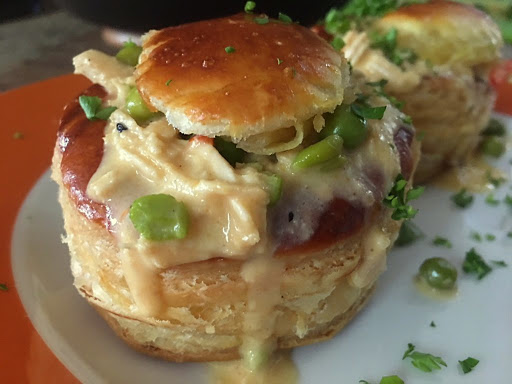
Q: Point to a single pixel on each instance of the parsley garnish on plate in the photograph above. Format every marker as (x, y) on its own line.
(490, 237)
(279, 61)
(423, 361)
(92, 108)
(463, 198)
(442, 242)
(409, 233)
(4, 287)
(499, 263)
(475, 264)
(386, 380)
(468, 364)
(475, 236)
(491, 200)
(432, 324)
(398, 199)
(494, 128)
(508, 200)
(364, 112)
(168, 82)
(509, 234)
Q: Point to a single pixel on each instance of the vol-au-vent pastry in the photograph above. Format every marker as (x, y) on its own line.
(435, 57)
(232, 190)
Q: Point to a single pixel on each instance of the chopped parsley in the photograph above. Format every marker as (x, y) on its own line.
(368, 112)
(285, 18)
(261, 20)
(337, 43)
(387, 43)
(408, 120)
(494, 128)
(475, 236)
(490, 237)
(499, 263)
(379, 89)
(279, 61)
(475, 264)
(423, 361)
(509, 234)
(391, 380)
(18, 135)
(409, 233)
(495, 181)
(462, 199)
(229, 49)
(491, 200)
(249, 6)
(508, 200)
(468, 364)
(4, 287)
(432, 324)
(168, 82)
(92, 108)
(442, 242)
(398, 199)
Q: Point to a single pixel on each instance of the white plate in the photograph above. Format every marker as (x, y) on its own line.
(477, 323)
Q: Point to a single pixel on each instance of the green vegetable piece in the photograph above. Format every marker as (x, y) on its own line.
(159, 217)
(432, 324)
(490, 237)
(230, 49)
(129, 53)
(18, 135)
(261, 20)
(4, 287)
(423, 361)
(91, 106)
(493, 146)
(337, 43)
(229, 151)
(318, 153)
(475, 264)
(439, 273)
(391, 380)
(409, 233)
(499, 263)
(137, 108)
(508, 200)
(476, 236)
(346, 124)
(442, 242)
(333, 164)
(275, 188)
(494, 128)
(468, 364)
(285, 18)
(373, 113)
(249, 6)
(462, 199)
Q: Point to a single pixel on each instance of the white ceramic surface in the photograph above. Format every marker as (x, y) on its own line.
(477, 323)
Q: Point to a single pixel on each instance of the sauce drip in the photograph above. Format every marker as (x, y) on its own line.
(81, 145)
(434, 293)
(475, 176)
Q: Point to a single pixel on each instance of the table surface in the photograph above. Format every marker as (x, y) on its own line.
(41, 47)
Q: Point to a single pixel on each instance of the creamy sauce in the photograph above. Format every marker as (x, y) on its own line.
(474, 176)
(434, 293)
(280, 369)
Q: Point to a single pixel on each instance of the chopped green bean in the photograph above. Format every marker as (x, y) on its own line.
(318, 153)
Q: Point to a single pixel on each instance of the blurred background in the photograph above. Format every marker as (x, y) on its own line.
(38, 38)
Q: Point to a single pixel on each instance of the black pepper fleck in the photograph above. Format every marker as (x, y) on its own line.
(290, 216)
(121, 127)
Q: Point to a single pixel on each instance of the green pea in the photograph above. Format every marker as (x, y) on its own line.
(493, 146)
(318, 153)
(229, 151)
(345, 123)
(137, 108)
(438, 273)
(159, 217)
(129, 54)
(275, 188)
